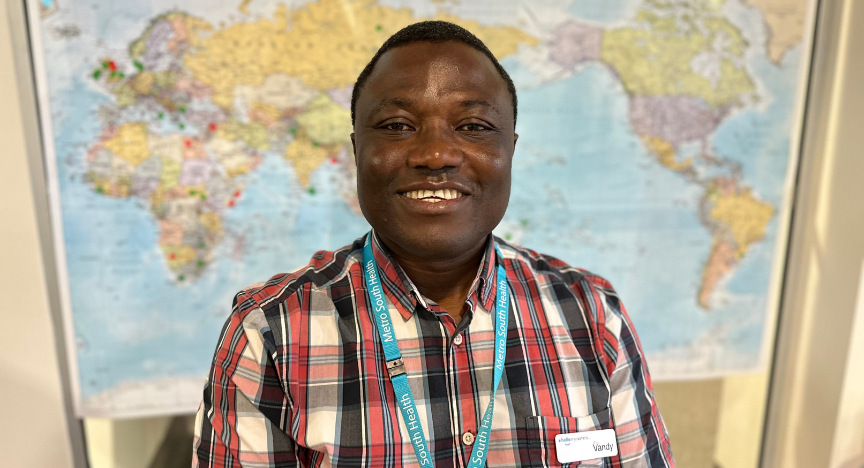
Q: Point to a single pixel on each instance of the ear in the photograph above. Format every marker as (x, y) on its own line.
(354, 149)
(515, 137)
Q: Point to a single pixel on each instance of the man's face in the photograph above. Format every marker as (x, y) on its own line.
(433, 145)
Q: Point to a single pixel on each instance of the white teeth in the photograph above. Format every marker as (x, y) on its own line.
(451, 194)
(434, 196)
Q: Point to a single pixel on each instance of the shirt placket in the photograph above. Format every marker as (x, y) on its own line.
(459, 388)
(464, 394)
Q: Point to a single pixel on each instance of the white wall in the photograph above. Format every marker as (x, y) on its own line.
(32, 419)
(825, 262)
(33, 422)
(848, 451)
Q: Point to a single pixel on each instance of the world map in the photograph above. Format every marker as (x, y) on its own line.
(197, 150)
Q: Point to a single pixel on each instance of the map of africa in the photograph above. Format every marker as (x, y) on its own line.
(195, 150)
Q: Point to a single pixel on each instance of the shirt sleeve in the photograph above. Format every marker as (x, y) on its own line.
(642, 437)
(244, 414)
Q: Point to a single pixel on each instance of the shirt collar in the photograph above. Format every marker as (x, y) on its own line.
(405, 295)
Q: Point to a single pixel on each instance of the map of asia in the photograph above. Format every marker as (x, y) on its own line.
(198, 147)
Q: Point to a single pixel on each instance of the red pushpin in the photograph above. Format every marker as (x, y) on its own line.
(112, 66)
(213, 127)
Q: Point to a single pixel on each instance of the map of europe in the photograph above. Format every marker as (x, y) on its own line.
(196, 150)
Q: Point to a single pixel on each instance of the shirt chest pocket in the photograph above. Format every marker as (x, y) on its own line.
(543, 429)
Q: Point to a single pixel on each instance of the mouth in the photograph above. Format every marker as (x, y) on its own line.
(433, 196)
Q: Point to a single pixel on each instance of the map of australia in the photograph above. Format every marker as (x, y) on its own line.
(655, 143)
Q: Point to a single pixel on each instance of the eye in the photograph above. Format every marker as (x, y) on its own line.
(397, 127)
(475, 127)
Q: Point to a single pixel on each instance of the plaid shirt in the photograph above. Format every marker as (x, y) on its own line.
(299, 376)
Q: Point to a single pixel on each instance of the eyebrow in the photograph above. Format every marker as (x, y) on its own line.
(480, 103)
(407, 103)
(393, 102)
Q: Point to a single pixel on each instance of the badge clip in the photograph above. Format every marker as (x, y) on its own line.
(395, 367)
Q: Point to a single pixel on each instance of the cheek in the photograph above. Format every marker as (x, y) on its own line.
(374, 173)
(497, 158)
(501, 164)
(372, 163)
(498, 174)
(381, 164)
(498, 168)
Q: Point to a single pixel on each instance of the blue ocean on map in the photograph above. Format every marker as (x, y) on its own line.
(151, 317)
(615, 217)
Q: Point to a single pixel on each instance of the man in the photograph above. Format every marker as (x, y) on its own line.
(429, 342)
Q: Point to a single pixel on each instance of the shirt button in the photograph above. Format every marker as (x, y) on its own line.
(457, 340)
(468, 438)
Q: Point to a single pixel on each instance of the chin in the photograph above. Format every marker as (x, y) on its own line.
(437, 242)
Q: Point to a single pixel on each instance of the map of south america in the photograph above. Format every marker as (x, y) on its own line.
(681, 69)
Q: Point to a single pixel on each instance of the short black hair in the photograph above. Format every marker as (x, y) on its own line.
(430, 31)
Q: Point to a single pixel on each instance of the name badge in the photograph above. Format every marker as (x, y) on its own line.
(580, 446)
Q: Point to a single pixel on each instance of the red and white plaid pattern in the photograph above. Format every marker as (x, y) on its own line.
(299, 376)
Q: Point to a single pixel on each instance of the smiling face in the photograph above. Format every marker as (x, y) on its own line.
(433, 143)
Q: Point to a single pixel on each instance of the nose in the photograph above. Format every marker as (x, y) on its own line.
(436, 148)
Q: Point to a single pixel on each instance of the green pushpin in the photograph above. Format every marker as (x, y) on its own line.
(181, 277)
(97, 74)
(161, 115)
(311, 190)
(139, 65)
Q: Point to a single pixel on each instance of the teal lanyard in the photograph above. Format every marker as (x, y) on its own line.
(396, 368)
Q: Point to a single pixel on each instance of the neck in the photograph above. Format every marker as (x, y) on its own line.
(447, 281)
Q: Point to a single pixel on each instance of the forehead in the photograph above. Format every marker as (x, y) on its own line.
(432, 72)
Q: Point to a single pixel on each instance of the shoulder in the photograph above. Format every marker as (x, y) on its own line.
(323, 269)
(261, 313)
(602, 310)
(546, 265)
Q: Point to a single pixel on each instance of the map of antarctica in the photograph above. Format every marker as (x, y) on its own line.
(195, 148)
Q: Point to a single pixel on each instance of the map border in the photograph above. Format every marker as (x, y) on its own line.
(69, 355)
